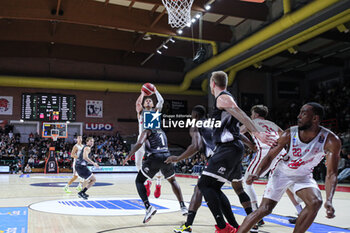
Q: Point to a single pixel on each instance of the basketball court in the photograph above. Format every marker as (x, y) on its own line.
(77, 67)
(114, 206)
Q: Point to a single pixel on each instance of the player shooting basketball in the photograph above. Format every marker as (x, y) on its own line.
(146, 104)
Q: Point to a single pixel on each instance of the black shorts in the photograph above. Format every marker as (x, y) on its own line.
(226, 163)
(154, 163)
(83, 171)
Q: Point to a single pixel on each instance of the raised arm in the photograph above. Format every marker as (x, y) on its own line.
(139, 102)
(273, 152)
(160, 100)
(142, 139)
(332, 149)
(73, 154)
(227, 103)
(191, 149)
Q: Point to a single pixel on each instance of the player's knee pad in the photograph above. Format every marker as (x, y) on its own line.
(243, 197)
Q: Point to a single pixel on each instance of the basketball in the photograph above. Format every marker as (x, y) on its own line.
(148, 89)
(132, 114)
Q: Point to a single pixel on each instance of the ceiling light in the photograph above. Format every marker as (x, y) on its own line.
(164, 46)
(147, 37)
(258, 65)
(188, 24)
(293, 50)
(172, 40)
(198, 16)
(159, 51)
(193, 20)
(179, 31)
(207, 7)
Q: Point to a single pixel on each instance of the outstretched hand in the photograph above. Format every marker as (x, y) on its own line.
(126, 160)
(266, 138)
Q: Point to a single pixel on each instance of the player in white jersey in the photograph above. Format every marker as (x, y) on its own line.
(258, 115)
(146, 104)
(307, 145)
(74, 154)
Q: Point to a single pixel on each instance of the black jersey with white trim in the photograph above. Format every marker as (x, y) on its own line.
(208, 145)
(156, 142)
(229, 129)
(80, 160)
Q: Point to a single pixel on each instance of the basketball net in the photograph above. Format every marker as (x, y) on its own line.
(179, 12)
(54, 137)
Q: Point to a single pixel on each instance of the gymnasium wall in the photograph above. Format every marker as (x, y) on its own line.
(116, 106)
(273, 91)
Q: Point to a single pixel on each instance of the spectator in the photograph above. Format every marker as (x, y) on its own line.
(27, 169)
(345, 173)
(31, 161)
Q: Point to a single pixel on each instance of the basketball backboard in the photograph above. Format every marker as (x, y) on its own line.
(54, 130)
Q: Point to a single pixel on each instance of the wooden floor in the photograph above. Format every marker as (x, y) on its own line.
(17, 191)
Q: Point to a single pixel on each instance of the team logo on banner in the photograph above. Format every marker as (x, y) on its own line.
(6, 105)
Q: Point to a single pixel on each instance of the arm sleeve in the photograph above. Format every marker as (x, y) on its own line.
(160, 101)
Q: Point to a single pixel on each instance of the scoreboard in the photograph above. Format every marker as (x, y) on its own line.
(48, 107)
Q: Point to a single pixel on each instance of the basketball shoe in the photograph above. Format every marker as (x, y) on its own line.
(183, 229)
(149, 213)
(157, 191)
(227, 229)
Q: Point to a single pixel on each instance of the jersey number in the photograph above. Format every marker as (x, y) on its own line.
(162, 139)
(297, 152)
(268, 130)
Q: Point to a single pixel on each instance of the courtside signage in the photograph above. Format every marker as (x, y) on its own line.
(4, 169)
(13, 219)
(99, 126)
(104, 206)
(113, 169)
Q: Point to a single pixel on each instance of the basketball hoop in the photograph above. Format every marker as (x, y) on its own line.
(179, 12)
(54, 137)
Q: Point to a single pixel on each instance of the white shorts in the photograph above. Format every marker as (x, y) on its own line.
(278, 183)
(254, 164)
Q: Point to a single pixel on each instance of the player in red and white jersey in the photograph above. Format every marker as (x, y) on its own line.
(307, 145)
(146, 104)
(258, 116)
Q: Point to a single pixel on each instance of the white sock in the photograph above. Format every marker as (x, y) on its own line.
(159, 181)
(299, 208)
(249, 189)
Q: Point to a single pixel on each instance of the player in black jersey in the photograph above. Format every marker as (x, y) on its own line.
(225, 164)
(202, 142)
(156, 147)
(82, 169)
